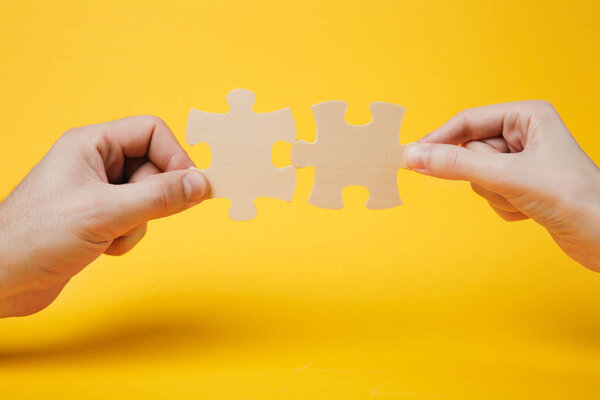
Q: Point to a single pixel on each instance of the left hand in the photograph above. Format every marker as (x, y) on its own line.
(91, 194)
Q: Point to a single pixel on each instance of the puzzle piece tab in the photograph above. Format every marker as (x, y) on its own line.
(365, 155)
(241, 142)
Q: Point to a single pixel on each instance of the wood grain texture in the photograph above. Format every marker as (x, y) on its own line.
(241, 142)
(365, 155)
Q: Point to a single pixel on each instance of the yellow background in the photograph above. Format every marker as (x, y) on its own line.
(438, 298)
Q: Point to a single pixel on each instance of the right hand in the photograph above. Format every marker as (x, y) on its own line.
(524, 161)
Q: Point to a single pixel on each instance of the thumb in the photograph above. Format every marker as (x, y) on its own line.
(158, 196)
(454, 162)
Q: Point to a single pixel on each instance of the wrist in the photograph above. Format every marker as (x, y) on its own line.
(10, 258)
(585, 233)
(7, 291)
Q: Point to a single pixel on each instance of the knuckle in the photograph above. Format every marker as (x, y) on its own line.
(98, 136)
(81, 135)
(443, 157)
(432, 160)
(69, 133)
(465, 112)
(544, 108)
(69, 136)
(452, 161)
(463, 117)
(465, 122)
(543, 104)
(461, 114)
(154, 120)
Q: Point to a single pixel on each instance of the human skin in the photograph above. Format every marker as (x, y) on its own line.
(93, 193)
(98, 186)
(523, 160)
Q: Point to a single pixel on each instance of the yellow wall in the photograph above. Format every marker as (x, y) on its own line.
(438, 297)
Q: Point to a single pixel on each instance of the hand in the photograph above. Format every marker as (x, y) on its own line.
(91, 194)
(521, 158)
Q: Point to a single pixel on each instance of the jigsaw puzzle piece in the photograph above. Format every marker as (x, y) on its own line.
(327, 190)
(343, 155)
(386, 122)
(301, 154)
(242, 207)
(383, 193)
(241, 142)
(204, 127)
(243, 187)
(277, 126)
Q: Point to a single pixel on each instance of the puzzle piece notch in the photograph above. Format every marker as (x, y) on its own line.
(241, 142)
(343, 155)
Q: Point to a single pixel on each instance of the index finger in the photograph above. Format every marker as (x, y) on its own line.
(148, 136)
(475, 123)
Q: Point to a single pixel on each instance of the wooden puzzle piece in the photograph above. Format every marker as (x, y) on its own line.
(365, 155)
(241, 142)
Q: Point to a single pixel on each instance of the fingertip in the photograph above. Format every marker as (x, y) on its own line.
(416, 156)
(195, 185)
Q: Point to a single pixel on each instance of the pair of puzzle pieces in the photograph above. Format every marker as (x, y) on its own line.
(241, 142)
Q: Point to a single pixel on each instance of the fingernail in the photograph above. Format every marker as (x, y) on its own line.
(195, 186)
(416, 156)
